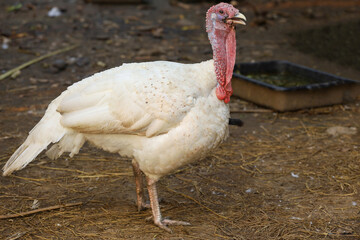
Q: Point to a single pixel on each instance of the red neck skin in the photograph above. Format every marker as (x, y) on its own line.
(224, 50)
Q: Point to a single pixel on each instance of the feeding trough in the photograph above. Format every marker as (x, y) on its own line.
(285, 86)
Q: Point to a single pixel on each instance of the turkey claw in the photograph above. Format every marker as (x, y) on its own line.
(165, 222)
(174, 222)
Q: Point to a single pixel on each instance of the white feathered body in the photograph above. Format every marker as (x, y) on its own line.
(162, 114)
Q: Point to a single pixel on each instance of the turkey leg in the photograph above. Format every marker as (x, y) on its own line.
(154, 202)
(140, 200)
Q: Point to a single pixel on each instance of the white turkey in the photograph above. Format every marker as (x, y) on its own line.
(161, 114)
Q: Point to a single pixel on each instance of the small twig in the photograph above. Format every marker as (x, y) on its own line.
(106, 175)
(22, 214)
(35, 60)
(305, 128)
(64, 169)
(21, 88)
(252, 111)
(31, 179)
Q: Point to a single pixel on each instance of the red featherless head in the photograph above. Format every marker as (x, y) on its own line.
(220, 26)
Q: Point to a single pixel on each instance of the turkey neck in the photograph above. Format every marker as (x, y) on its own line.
(224, 54)
(223, 43)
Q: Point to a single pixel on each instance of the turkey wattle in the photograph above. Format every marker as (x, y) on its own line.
(161, 114)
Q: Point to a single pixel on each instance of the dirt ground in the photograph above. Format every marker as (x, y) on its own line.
(280, 176)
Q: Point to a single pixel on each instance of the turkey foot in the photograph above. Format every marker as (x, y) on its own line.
(167, 221)
(140, 198)
(154, 202)
(163, 224)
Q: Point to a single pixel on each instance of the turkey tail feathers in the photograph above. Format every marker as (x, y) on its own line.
(47, 131)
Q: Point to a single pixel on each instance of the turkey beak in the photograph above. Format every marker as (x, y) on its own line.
(237, 19)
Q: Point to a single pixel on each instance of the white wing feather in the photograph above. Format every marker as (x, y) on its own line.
(137, 99)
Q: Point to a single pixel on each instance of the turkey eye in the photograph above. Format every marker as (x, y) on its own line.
(221, 11)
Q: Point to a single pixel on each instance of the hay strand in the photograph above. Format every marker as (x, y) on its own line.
(23, 214)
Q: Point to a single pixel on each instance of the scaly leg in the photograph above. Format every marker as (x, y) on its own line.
(154, 202)
(139, 187)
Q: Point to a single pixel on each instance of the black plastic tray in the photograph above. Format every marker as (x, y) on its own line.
(326, 88)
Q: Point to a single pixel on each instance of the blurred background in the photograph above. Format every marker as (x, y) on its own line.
(321, 34)
(283, 175)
